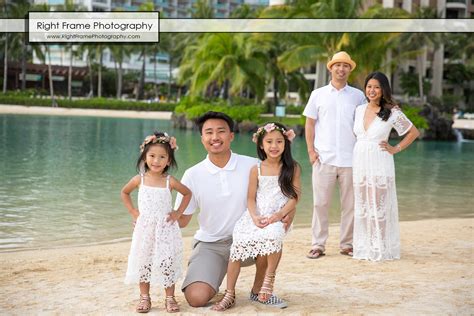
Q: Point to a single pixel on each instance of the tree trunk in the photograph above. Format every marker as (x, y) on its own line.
(226, 89)
(23, 64)
(50, 74)
(438, 65)
(420, 77)
(388, 66)
(119, 80)
(141, 84)
(170, 77)
(91, 76)
(275, 93)
(69, 77)
(99, 74)
(154, 73)
(320, 75)
(5, 64)
(116, 77)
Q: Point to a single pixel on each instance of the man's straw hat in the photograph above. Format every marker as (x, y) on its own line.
(341, 57)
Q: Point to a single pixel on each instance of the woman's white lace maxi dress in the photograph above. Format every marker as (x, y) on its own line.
(250, 241)
(157, 247)
(376, 228)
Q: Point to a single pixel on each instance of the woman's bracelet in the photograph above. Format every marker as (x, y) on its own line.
(399, 148)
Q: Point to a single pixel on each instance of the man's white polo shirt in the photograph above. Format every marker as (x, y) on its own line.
(334, 112)
(219, 193)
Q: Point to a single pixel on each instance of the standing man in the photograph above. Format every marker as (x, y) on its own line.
(330, 141)
(219, 184)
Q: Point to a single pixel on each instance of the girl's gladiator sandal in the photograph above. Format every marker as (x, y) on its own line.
(226, 302)
(144, 305)
(171, 305)
(267, 287)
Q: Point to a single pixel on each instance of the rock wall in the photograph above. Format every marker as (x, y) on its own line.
(440, 128)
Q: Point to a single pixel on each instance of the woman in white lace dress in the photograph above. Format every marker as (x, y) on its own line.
(274, 189)
(376, 229)
(156, 251)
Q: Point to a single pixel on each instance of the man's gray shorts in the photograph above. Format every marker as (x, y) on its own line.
(208, 263)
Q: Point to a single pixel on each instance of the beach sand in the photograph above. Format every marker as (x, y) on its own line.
(39, 110)
(434, 276)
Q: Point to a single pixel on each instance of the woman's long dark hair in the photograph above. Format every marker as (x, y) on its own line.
(386, 102)
(287, 173)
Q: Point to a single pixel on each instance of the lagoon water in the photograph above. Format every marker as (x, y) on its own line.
(60, 178)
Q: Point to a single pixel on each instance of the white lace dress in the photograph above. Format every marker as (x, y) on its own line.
(157, 247)
(250, 241)
(376, 228)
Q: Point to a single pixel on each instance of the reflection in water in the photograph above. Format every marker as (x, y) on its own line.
(61, 177)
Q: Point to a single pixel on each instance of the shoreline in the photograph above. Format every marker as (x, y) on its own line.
(434, 276)
(185, 234)
(39, 110)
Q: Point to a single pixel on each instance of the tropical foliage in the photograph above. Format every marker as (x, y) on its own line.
(242, 68)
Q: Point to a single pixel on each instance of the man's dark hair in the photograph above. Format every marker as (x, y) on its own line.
(214, 115)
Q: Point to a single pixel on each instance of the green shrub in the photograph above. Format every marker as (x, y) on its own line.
(287, 121)
(93, 103)
(413, 114)
(294, 109)
(237, 113)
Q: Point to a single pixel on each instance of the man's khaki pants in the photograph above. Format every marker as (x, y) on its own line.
(324, 181)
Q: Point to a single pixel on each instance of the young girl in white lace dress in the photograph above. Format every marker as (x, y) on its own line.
(156, 250)
(376, 232)
(274, 190)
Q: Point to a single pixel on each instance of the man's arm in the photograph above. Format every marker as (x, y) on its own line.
(309, 135)
(188, 212)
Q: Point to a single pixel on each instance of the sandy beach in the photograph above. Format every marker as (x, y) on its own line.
(39, 110)
(434, 276)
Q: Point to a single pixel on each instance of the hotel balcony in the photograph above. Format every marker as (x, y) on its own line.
(456, 4)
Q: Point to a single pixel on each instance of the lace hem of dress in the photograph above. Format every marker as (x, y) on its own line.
(241, 251)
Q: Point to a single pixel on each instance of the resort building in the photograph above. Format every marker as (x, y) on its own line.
(157, 64)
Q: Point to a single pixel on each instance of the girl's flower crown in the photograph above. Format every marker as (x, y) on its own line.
(153, 139)
(290, 134)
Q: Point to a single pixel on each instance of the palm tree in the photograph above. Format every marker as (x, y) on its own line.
(174, 46)
(202, 9)
(50, 75)
(70, 6)
(5, 63)
(19, 9)
(309, 49)
(141, 82)
(120, 53)
(16, 44)
(245, 11)
(225, 60)
(271, 46)
(166, 45)
(417, 44)
(42, 57)
(100, 53)
(148, 6)
(90, 51)
(368, 49)
(373, 51)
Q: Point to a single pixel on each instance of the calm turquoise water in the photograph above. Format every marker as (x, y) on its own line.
(60, 178)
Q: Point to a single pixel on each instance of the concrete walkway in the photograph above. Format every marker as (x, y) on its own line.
(39, 110)
(463, 124)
